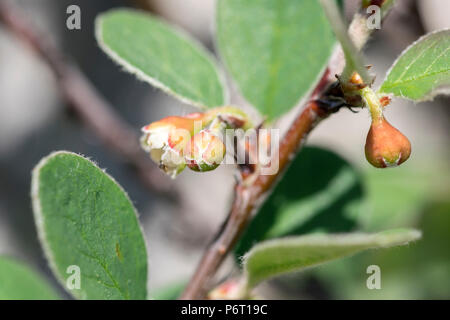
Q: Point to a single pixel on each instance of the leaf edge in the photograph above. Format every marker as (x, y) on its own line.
(140, 75)
(413, 233)
(441, 90)
(39, 218)
(301, 100)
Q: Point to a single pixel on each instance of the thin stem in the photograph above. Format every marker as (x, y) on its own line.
(248, 198)
(386, 8)
(372, 101)
(359, 30)
(353, 58)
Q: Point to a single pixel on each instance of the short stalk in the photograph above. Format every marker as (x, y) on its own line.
(372, 101)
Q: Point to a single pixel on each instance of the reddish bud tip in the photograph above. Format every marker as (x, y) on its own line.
(386, 146)
(229, 290)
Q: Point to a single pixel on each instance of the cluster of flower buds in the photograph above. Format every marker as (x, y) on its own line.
(193, 140)
(385, 145)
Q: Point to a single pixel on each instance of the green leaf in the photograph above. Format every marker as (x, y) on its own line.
(19, 282)
(396, 197)
(423, 70)
(161, 55)
(276, 257)
(319, 192)
(84, 218)
(430, 258)
(275, 50)
(169, 292)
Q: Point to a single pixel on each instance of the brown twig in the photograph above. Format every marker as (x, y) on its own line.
(247, 199)
(88, 104)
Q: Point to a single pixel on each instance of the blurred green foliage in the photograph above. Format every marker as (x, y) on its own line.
(418, 271)
(408, 197)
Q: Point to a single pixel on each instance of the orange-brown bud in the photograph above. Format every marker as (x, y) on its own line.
(356, 79)
(385, 145)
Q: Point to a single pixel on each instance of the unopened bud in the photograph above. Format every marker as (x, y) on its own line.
(356, 79)
(206, 152)
(385, 145)
(229, 290)
(166, 142)
(231, 116)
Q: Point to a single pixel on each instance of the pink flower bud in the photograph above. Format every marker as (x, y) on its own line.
(166, 141)
(229, 290)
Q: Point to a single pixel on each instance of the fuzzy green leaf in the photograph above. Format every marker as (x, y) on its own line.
(309, 199)
(161, 55)
(396, 197)
(171, 291)
(423, 70)
(276, 257)
(19, 282)
(275, 50)
(84, 218)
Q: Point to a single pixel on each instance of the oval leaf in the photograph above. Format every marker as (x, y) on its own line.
(276, 257)
(85, 219)
(275, 50)
(423, 70)
(319, 192)
(19, 282)
(160, 55)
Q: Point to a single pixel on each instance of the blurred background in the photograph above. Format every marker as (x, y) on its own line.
(35, 119)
